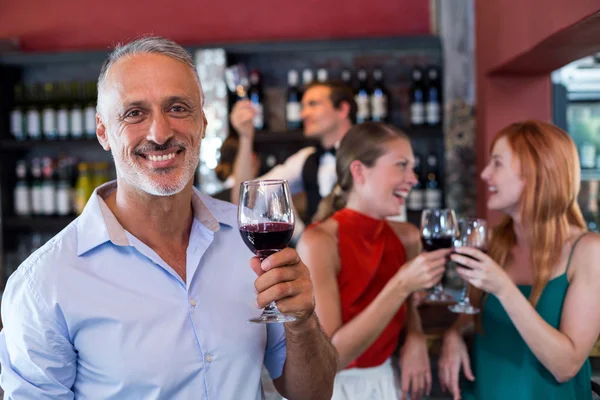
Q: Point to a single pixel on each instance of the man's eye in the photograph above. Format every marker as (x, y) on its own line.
(133, 114)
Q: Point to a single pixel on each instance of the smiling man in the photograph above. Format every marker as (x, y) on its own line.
(146, 295)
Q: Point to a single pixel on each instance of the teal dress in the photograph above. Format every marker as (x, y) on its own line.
(503, 364)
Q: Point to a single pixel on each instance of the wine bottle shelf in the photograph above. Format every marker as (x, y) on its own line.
(11, 144)
(37, 224)
(590, 174)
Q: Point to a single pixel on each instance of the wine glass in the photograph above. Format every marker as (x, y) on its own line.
(266, 223)
(473, 233)
(438, 230)
(236, 78)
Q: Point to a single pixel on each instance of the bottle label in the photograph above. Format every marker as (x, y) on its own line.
(433, 198)
(63, 200)
(49, 199)
(49, 123)
(362, 103)
(90, 121)
(379, 107)
(433, 113)
(16, 124)
(76, 123)
(293, 111)
(22, 206)
(34, 130)
(37, 202)
(62, 123)
(259, 118)
(417, 114)
(415, 200)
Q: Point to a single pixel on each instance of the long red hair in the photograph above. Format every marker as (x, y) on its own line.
(550, 169)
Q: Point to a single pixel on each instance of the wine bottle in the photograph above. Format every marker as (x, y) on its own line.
(293, 107)
(417, 98)
(255, 94)
(362, 98)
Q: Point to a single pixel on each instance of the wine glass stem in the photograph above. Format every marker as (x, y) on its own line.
(464, 299)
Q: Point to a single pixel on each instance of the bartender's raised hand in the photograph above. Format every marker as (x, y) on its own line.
(242, 116)
(283, 278)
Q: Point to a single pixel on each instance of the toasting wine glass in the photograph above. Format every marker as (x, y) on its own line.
(266, 223)
(438, 230)
(473, 233)
(236, 78)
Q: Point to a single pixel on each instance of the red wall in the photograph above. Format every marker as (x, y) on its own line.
(507, 33)
(84, 24)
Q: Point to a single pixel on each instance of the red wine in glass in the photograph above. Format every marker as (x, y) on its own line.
(436, 243)
(266, 238)
(439, 227)
(266, 224)
(468, 256)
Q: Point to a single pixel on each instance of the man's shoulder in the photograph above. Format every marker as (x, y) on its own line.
(59, 251)
(304, 152)
(300, 156)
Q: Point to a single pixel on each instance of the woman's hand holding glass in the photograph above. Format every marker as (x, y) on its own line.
(423, 271)
(479, 270)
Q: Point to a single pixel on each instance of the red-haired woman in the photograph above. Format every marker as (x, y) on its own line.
(539, 288)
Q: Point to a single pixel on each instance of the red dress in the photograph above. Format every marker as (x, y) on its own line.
(370, 254)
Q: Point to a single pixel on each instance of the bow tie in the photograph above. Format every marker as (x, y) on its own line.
(330, 150)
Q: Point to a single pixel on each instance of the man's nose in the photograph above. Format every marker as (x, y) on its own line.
(160, 129)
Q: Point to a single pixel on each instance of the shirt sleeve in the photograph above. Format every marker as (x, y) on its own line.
(275, 353)
(291, 170)
(38, 360)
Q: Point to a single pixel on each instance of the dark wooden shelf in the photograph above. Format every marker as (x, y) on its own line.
(11, 144)
(275, 137)
(298, 136)
(590, 174)
(406, 43)
(37, 224)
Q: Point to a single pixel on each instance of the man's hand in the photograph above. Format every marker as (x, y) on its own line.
(283, 278)
(242, 116)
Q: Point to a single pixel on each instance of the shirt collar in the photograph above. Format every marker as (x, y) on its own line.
(97, 224)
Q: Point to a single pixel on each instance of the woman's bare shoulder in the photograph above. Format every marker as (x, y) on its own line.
(584, 255)
(325, 231)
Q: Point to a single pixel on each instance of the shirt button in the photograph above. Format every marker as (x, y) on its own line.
(208, 358)
(192, 302)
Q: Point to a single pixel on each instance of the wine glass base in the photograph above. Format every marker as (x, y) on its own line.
(272, 318)
(439, 297)
(461, 308)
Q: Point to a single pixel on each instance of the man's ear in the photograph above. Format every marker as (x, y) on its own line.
(101, 133)
(344, 109)
(205, 122)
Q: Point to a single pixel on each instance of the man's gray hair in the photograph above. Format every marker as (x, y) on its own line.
(147, 45)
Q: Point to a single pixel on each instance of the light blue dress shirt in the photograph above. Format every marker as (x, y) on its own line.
(97, 314)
